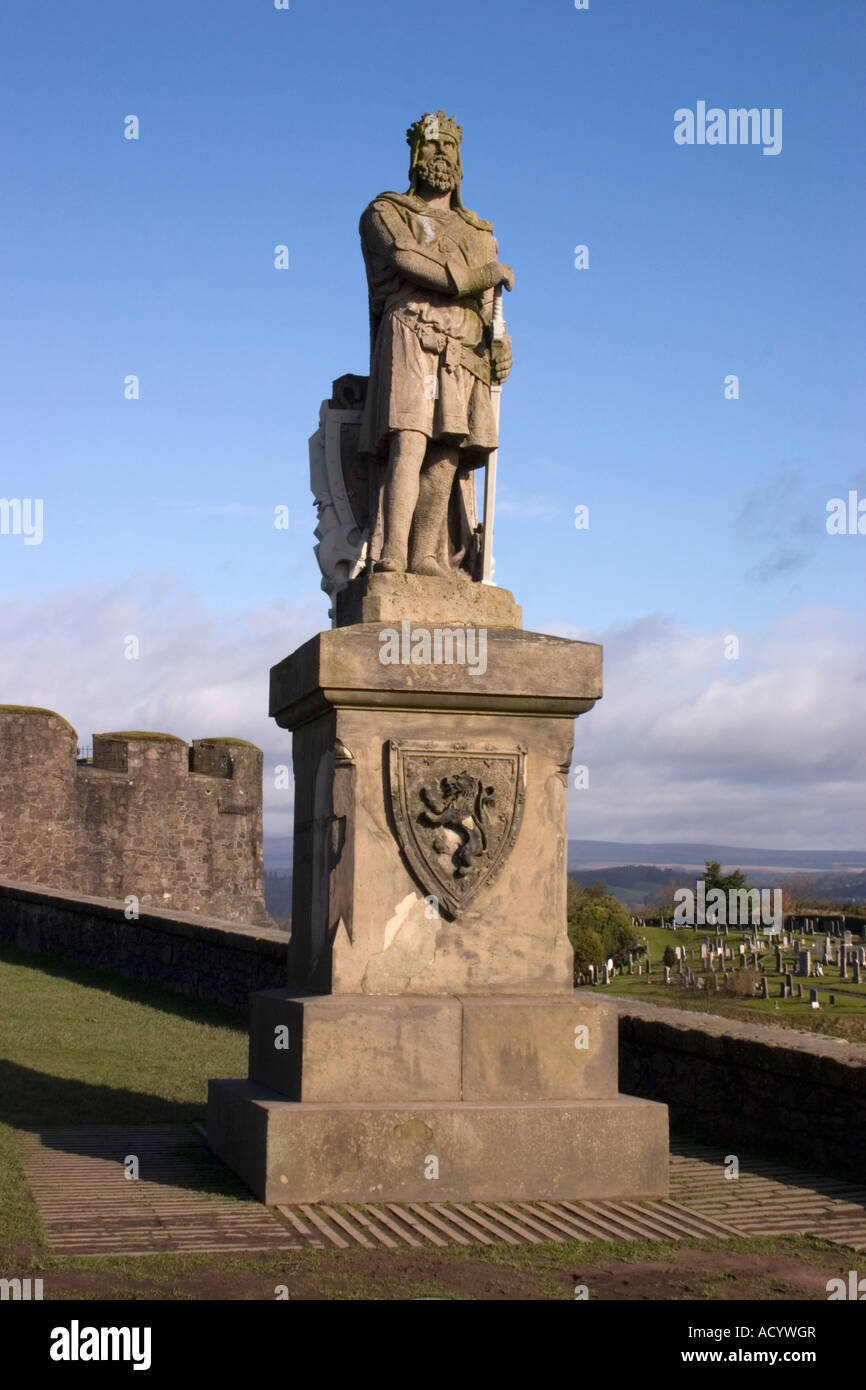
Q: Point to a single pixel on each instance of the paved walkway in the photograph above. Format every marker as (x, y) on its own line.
(185, 1201)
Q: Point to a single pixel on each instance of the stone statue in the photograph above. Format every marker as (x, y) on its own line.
(432, 271)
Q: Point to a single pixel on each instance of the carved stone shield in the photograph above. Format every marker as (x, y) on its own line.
(457, 811)
(341, 480)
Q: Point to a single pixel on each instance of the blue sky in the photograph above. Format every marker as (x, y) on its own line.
(260, 127)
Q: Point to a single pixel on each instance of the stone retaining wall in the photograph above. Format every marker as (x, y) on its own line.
(194, 955)
(800, 1095)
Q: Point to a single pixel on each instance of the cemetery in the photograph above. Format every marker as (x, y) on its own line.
(786, 979)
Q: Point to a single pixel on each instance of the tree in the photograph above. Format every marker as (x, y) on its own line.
(603, 917)
(588, 951)
(714, 878)
(670, 956)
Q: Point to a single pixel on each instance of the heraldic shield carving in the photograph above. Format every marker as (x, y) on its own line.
(457, 811)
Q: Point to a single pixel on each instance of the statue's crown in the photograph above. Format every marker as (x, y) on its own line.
(431, 125)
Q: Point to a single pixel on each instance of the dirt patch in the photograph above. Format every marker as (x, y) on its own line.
(528, 1275)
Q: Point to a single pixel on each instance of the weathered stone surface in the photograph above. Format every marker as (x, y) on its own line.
(355, 1048)
(289, 1152)
(526, 673)
(456, 600)
(366, 919)
(521, 1048)
(347, 1048)
(177, 829)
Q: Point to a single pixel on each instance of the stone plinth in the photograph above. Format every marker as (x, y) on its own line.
(429, 1045)
(371, 738)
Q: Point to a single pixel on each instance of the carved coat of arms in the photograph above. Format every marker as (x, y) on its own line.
(457, 811)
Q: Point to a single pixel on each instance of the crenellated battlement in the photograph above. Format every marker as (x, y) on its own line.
(150, 817)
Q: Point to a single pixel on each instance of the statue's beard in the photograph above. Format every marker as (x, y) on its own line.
(438, 174)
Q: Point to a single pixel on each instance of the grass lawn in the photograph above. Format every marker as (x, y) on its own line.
(85, 1047)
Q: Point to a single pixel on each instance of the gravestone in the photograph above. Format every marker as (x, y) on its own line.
(429, 1045)
(805, 965)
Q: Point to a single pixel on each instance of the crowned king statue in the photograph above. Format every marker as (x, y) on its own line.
(429, 416)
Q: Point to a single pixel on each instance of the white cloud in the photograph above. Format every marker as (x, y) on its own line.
(766, 750)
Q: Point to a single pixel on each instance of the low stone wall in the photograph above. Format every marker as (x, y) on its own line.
(797, 1095)
(194, 955)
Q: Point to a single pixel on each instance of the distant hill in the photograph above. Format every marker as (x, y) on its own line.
(643, 885)
(589, 854)
(278, 896)
(634, 885)
(278, 854)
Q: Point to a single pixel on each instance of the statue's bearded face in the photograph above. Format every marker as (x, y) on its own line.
(439, 163)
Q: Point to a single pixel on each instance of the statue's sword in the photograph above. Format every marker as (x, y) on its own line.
(498, 326)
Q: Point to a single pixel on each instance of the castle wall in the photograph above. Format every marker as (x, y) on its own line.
(178, 829)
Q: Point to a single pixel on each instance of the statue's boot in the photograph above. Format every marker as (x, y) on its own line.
(428, 564)
(428, 540)
(390, 564)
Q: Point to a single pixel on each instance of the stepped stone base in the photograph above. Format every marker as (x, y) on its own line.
(288, 1151)
(409, 1048)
